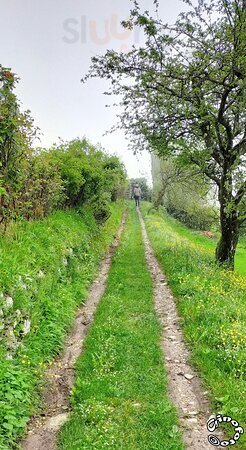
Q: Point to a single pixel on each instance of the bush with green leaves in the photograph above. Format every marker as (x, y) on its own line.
(87, 171)
(16, 136)
(194, 215)
(34, 182)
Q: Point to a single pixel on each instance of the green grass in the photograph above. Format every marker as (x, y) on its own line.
(46, 268)
(240, 259)
(211, 303)
(209, 244)
(119, 399)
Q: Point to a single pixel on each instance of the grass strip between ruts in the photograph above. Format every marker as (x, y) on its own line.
(119, 398)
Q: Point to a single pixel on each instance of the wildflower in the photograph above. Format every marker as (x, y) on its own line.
(40, 274)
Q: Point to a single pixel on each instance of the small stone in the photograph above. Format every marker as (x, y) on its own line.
(188, 376)
(54, 423)
(26, 327)
(8, 302)
(192, 420)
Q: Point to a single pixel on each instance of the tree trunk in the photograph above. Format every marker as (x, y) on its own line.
(159, 198)
(225, 251)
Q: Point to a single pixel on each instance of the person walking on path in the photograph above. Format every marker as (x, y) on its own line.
(137, 194)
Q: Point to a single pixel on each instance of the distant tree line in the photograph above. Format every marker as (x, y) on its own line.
(185, 194)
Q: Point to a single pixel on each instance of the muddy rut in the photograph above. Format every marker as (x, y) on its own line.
(183, 383)
(42, 430)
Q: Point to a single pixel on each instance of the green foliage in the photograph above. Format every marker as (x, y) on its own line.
(88, 174)
(194, 215)
(184, 193)
(16, 135)
(183, 95)
(211, 303)
(16, 129)
(15, 400)
(35, 182)
(46, 268)
(101, 207)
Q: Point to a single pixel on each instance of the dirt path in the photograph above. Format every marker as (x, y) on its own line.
(183, 383)
(42, 429)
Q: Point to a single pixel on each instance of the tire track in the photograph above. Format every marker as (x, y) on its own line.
(42, 429)
(183, 382)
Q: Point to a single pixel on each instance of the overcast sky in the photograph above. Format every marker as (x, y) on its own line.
(49, 44)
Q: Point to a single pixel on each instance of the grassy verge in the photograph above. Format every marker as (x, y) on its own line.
(46, 267)
(208, 244)
(211, 303)
(119, 399)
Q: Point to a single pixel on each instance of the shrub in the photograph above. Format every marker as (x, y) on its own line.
(199, 217)
(35, 182)
(101, 207)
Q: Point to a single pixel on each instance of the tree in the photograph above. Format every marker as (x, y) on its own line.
(16, 135)
(167, 175)
(184, 193)
(115, 176)
(183, 95)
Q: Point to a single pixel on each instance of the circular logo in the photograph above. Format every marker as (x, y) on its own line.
(214, 422)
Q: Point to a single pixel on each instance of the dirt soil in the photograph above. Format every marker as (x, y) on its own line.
(59, 377)
(184, 386)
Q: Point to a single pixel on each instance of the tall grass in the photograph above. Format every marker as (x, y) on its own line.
(46, 268)
(211, 302)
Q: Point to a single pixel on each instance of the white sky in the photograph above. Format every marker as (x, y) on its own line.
(49, 44)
